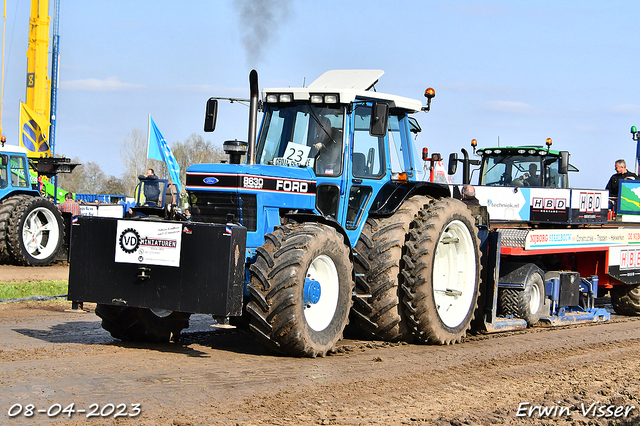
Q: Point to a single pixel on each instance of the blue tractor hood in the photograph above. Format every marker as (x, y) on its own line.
(259, 177)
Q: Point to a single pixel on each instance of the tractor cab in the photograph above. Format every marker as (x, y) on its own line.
(14, 172)
(337, 141)
(520, 166)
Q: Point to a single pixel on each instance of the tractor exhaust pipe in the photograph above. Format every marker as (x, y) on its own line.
(253, 117)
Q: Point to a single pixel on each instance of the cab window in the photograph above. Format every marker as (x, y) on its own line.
(398, 146)
(3, 171)
(19, 178)
(368, 151)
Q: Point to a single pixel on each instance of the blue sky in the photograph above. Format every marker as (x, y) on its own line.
(520, 71)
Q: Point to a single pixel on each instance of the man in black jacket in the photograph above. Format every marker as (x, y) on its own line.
(151, 187)
(621, 173)
(469, 196)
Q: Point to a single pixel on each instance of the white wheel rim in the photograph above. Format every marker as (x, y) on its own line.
(319, 315)
(454, 274)
(534, 297)
(40, 234)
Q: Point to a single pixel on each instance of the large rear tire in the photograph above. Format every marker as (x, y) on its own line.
(35, 232)
(300, 289)
(378, 263)
(7, 206)
(442, 272)
(626, 299)
(141, 325)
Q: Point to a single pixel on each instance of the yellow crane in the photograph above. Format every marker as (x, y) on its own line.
(38, 83)
(35, 113)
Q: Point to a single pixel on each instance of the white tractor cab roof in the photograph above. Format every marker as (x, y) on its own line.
(345, 86)
(13, 149)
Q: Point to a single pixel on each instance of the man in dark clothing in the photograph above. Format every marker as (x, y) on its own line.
(621, 173)
(469, 196)
(151, 188)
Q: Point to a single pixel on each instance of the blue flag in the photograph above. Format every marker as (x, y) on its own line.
(159, 150)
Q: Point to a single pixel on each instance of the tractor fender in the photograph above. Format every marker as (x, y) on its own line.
(325, 220)
(393, 194)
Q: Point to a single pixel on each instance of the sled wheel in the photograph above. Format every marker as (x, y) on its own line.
(140, 324)
(300, 289)
(378, 309)
(527, 303)
(35, 232)
(626, 299)
(443, 272)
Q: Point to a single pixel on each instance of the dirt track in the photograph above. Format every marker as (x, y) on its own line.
(56, 272)
(221, 376)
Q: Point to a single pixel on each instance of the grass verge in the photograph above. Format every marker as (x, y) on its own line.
(15, 290)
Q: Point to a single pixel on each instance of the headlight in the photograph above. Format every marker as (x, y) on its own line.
(331, 99)
(319, 98)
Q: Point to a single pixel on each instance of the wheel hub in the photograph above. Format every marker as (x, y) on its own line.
(311, 292)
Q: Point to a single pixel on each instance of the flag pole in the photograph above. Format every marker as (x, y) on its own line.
(148, 141)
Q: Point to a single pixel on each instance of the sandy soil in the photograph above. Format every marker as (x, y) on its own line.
(216, 376)
(211, 376)
(58, 271)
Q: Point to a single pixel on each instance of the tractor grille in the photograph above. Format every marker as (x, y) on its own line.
(215, 207)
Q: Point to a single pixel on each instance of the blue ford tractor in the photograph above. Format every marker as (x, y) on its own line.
(321, 216)
(31, 227)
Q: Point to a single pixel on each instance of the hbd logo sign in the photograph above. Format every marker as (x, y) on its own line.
(555, 204)
(590, 202)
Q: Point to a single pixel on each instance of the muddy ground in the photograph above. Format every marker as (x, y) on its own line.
(216, 376)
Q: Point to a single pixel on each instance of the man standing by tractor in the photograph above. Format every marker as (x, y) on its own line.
(70, 206)
(151, 188)
(614, 181)
(469, 196)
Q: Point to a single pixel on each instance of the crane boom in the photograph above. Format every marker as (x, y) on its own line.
(37, 58)
(35, 112)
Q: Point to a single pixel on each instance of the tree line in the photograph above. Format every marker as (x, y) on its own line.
(89, 177)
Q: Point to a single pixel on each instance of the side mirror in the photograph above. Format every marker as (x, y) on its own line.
(453, 163)
(379, 119)
(210, 116)
(563, 167)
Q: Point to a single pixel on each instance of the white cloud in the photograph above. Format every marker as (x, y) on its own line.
(110, 84)
(509, 106)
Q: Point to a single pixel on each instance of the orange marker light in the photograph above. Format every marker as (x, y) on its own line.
(425, 154)
(430, 93)
(549, 141)
(474, 143)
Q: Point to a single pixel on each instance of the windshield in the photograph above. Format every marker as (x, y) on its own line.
(303, 135)
(520, 170)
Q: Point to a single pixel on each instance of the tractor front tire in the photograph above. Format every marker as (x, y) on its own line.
(300, 289)
(140, 324)
(35, 232)
(378, 307)
(442, 272)
(626, 299)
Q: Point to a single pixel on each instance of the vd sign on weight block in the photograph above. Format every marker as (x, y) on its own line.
(148, 243)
